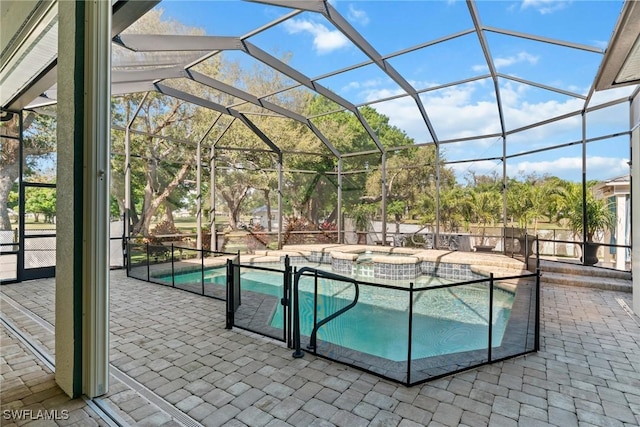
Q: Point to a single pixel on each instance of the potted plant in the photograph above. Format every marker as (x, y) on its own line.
(599, 218)
(484, 207)
(361, 215)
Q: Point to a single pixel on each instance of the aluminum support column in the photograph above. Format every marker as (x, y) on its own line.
(127, 169)
(504, 195)
(280, 187)
(212, 196)
(635, 200)
(340, 223)
(584, 187)
(127, 186)
(199, 195)
(436, 237)
(384, 198)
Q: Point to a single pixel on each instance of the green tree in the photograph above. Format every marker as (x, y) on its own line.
(41, 201)
(39, 143)
(519, 201)
(599, 215)
(483, 208)
(451, 208)
(161, 167)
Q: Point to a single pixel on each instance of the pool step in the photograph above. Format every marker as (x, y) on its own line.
(551, 274)
(569, 268)
(583, 279)
(499, 271)
(563, 273)
(257, 258)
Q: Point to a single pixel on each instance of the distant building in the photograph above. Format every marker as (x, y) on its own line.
(259, 217)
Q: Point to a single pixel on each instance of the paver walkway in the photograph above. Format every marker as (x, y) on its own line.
(174, 344)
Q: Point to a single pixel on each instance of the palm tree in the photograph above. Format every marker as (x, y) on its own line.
(599, 218)
(484, 208)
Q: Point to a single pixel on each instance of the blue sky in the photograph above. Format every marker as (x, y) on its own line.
(317, 48)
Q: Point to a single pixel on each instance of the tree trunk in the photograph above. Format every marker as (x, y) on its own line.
(333, 216)
(8, 175)
(233, 204)
(152, 204)
(168, 212)
(231, 213)
(268, 206)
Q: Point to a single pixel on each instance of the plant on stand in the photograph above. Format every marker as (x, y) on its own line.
(599, 218)
(362, 215)
(484, 208)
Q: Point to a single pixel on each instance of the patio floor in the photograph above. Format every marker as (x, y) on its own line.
(173, 363)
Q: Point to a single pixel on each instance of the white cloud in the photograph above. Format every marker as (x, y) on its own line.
(508, 61)
(359, 16)
(366, 86)
(445, 108)
(565, 167)
(520, 57)
(324, 39)
(545, 7)
(603, 96)
(481, 167)
(350, 86)
(469, 110)
(598, 167)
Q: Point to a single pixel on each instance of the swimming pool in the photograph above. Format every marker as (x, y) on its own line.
(445, 321)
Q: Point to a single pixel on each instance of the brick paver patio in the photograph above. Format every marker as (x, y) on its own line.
(183, 368)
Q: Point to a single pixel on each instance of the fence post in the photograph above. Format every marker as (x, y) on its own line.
(312, 340)
(173, 275)
(202, 269)
(128, 257)
(286, 321)
(410, 335)
(230, 302)
(234, 279)
(537, 325)
(489, 351)
(148, 275)
(298, 353)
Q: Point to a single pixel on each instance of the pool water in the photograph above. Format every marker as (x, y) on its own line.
(445, 321)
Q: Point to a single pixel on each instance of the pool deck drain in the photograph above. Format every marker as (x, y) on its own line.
(174, 343)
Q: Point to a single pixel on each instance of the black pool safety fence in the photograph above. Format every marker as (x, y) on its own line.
(405, 331)
(193, 270)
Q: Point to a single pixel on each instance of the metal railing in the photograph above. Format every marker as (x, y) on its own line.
(332, 307)
(316, 324)
(423, 360)
(197, 271)
(580, 259)
(273, 301)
